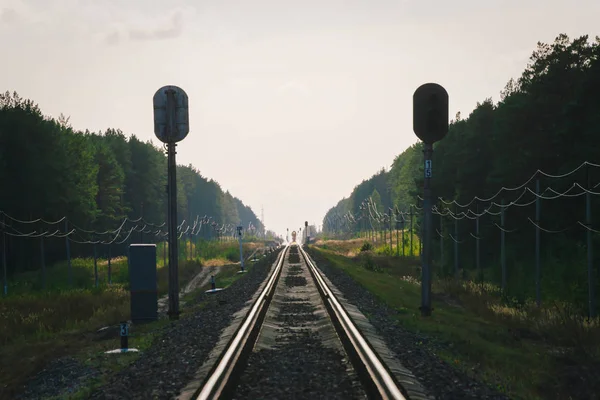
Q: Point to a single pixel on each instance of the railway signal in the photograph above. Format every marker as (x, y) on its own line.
(239, 232)
(171, 125)
(430, 124)
(306, 238)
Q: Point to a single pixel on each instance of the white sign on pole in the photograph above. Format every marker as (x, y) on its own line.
(171, 116)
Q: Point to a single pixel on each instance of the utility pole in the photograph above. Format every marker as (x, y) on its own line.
(142, 221)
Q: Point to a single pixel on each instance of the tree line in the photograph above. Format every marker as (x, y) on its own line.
(96, 179)
(548, 119)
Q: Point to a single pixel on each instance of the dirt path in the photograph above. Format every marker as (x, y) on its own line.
(198, 281)
(203, 278)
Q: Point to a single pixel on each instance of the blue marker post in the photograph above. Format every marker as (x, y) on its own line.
(124, 334)
(213, 286)
(124, 331)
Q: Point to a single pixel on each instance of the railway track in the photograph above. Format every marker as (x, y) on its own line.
(298, 340)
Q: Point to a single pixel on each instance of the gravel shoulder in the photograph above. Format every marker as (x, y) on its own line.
(63, 376)
(172, 360)
(412, 349)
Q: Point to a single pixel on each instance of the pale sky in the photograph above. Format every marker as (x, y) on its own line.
(292, 103)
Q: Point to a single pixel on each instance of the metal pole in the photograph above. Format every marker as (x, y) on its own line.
(477, 246)
(128, 247)
(43, 263)
(538, 295)
(142, 222)
(95, 266)
(502, 248)
(426, 269)
(198, 239)
(172, 209)
(441, 243)
(241, 250)
(68, 253)
(397, 236)
(456, 270)
(5, 279)
(189, 235)
(411, 231)
(390, 223)
(402, 227)
(590, 250)
(173, 259)
(109, 267)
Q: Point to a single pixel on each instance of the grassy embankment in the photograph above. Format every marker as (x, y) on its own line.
(142, 337)
(525, 351)
(38, 325)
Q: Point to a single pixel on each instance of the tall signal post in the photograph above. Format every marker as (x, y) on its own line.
(430, 124)
(171, 125)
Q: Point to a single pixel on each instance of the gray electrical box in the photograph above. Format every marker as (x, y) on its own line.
(143, 285)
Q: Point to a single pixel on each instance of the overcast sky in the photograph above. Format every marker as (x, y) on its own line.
(291, 103)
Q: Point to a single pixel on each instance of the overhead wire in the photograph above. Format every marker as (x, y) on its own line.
(374, 217)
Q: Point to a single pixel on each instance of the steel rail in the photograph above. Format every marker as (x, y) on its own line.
(379, 378)
(218, 379)
(378, 381)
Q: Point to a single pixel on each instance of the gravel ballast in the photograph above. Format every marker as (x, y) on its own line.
(171, 362)
(441, 379)
(302, 368)
(61, 376)
(298, 354)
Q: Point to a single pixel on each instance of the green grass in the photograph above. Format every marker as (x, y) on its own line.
(142, 337)
(508, 348)
(397, 246)
(39, 325)
(83, 270)
(39, 315)
(57, 276)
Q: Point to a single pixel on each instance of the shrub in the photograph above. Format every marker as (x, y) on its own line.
(370, 264)
(366, 247)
